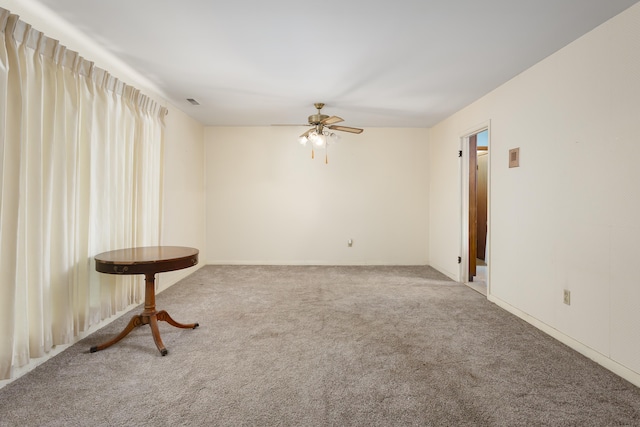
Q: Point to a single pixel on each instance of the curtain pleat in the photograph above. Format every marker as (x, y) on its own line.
(80, 173)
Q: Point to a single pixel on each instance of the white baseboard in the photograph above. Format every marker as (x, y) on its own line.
(169, 280)
(34, 363)
(311, 263)
(606, 362)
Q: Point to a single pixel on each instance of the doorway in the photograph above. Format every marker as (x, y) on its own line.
(477, 197)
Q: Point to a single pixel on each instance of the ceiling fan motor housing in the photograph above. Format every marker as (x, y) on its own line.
(317, 118)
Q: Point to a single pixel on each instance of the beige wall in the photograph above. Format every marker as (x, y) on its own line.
(268, 202)
(567, 218)
(183, 216)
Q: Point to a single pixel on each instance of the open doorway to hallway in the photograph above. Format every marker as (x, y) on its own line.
(478, 200)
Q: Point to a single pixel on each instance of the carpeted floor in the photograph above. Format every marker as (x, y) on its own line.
(323, 346)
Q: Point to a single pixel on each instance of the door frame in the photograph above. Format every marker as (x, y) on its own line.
(464, 201)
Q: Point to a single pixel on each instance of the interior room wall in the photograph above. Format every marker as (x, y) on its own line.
(268, 202)
(567, 218)
(183, 216)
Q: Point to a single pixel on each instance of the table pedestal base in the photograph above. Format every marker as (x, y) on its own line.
(148, 317)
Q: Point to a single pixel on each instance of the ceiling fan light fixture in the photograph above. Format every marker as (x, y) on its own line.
(319, 135)
(318, 139)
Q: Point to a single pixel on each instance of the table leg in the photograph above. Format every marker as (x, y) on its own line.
(149, 316)
(135, 321)
(153, 323)
(164, 316)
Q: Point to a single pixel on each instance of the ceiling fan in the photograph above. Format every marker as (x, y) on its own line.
(321, 121)
(317, 135)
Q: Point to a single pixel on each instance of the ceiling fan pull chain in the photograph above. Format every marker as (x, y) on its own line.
(312, 153)
(326, 154)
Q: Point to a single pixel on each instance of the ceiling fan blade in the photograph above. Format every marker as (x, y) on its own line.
(331, 120)
(346, 129)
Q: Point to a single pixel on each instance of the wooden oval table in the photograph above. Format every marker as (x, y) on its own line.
(148, 261)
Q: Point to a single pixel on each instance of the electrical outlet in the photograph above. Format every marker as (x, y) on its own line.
(567, 297)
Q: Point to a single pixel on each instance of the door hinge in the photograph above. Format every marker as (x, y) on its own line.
(460, 153)
(459, 260)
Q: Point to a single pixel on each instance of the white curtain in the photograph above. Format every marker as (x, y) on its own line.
(80, 173)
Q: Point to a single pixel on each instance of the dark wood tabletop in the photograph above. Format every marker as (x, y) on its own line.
(146, 259)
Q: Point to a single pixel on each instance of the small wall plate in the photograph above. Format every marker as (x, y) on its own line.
(514, 157)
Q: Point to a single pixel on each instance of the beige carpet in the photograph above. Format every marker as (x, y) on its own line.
(323, 346)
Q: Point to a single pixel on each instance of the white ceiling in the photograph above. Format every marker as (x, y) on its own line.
(403, 63)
